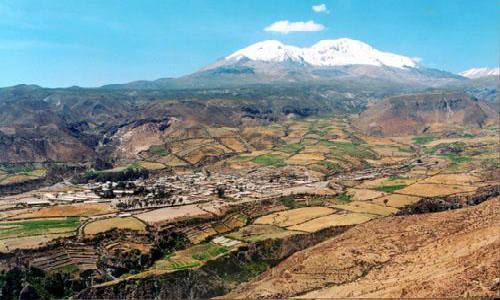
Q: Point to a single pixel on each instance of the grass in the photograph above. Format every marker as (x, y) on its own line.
(245, 271)
(430, 150)
(457, 159)
(134, 167)
(405, 149)
(242, 158)
(397, 177)
(30, 228)
(212, 252)
(158, 150)
(344, 197)
(317, 132)
(269, 160)
(184, 264)
(290, 202)
(420, 140)
(17, 169)
(390, 188)
(350, 149)
(290, 148)
(70, 269)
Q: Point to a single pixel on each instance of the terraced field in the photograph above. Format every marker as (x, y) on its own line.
(104, 225)
(79, 210)
(321, 144)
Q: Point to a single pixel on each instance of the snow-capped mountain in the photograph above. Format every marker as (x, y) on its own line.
(480, 72)
(324, 62)
(326, 53)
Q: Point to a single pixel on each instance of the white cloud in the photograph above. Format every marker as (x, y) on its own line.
(320, 8)
(286, 27)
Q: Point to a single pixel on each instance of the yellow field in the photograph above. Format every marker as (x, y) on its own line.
(29, 242)
(435, 190)
(390, 152)
(255, 233)
(368, 208)
(316, 149)
(263, 132)
(171, 160)
(17, 178)
(78, 210)
(395, 200)
(304, 159)
(152, 166)
(294, 216)
(120, 223)
(171, 213)
(385, 161)
(222, 132)
(364, 194)
(454, 179)
(333, 220)
(378, 140)
(370, 184)
(234, 144)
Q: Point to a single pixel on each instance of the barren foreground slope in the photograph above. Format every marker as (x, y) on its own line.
(448, 254)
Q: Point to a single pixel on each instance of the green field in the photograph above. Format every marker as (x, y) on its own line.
(256, 233)
(390, 188)
(207, 251)
(269, 160)
(349, 149)
(420, 140)
(290, 148)
(158, 150)
(38, 227)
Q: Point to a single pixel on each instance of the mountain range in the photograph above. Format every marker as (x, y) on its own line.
(260, 84)
(342, 61)
(480, 72)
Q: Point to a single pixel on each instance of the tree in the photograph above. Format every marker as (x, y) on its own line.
(385, 202)
(221, 190)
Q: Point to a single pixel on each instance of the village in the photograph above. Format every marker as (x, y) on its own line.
(172, 190)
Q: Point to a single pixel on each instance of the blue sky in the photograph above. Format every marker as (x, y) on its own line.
(58, 43)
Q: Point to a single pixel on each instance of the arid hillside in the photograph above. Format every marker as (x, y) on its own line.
(424, 113)
(446, 254)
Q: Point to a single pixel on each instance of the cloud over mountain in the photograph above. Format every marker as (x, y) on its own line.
(285, 27)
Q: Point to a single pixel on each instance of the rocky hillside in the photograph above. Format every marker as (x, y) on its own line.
(446, 254)
(79, 125)
(419, 113)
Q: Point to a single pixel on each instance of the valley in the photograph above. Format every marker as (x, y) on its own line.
(204, 210)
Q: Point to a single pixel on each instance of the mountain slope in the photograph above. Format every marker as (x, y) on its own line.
(480, 72)
(418, 113)
(446, 254)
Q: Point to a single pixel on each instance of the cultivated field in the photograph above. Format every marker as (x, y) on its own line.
(168, 214)
(333, 220)
(294, 216)
(255, 233)
(111, 223)
(77, 210)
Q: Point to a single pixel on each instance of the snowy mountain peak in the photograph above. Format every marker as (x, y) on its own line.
(325, 53)
(271, 50)
(480, 72)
